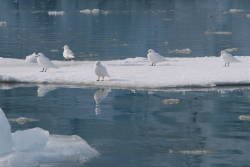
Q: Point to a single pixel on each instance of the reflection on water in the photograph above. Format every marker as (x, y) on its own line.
(101, 30)
(137, 129)
(99, 96)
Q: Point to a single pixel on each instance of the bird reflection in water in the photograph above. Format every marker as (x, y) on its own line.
(99, 96)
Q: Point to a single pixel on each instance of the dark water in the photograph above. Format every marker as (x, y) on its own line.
(129, 30)
(135, 129)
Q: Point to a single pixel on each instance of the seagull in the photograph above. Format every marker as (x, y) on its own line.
(31, 58)
(67, 53)
(154, 57)
(44, 62)
(228, 58)
(100, 71)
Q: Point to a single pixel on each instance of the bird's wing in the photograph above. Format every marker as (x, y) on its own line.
(158, 57)
(71, 54)
(231, 58)
(104, 70)
(46, 62)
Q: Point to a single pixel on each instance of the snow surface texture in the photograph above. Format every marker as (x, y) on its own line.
(36, 147)
(133, 73)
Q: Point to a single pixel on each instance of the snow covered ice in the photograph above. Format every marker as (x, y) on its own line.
(36, 147)
(133, 73)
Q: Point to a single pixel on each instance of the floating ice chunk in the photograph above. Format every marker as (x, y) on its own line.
(56, 13)
(3, 23)
(230, 50)
(244, 117)
(62, 148)
(218, 33)
(192, 152)
(85, 11)
(5, 135)
(234, 11)
(42, 90)
(31, 58)
(30, 140)
(171, 101)
(181, 51)
(248, 16)
(35, 147)
(95, 11)
(22, 120)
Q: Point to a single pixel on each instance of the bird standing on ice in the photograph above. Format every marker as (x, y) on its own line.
(44, 62)
(67, 53)
(100, 71)
(154, 57)
(228, 58)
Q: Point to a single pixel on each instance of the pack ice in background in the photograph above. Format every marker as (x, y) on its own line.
(35, 147)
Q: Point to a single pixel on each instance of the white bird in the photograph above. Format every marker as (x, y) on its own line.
(44, 62)
(31, 58)
(100, 71)
(67, 53)
(228, 58)
(154, 57)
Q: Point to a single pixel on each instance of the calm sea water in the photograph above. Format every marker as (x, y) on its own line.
(129, 30)
(132, 128)
(136, 129)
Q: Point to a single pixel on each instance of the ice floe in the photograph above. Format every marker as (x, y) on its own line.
(218, 33)
(22, 120)
(244, 117)
(37, 147)
(3, 23)
(94, 11)
(55, 13)
(234, 11)
(171, 101)
(180, 51)
(133, 73)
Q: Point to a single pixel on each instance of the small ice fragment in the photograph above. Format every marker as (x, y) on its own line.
(95, 11)
(85, 11)
(22, 120)
(218, 32)
(244, 117)
(171, 101)
(234, 11)
(248, 16)
(56, 13)
(230, 50)
(181, 51)
(3, 23)
(192, 152)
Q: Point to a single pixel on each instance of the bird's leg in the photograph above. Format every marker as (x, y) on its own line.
(42, 70)
(98, 79)
(152, 64)
(225, 65)
(102, 78)
(45, 70)
(228, 64)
